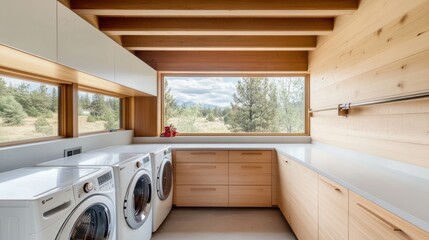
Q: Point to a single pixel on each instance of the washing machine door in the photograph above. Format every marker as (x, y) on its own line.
(164, 182)
(93, 219)
(137, 203)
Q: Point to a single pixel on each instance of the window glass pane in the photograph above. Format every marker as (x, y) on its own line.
(235, 104)
(98, 112)
(28, 109)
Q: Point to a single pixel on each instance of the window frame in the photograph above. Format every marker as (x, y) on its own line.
(61, 106)
(161, 93)
(122, 115)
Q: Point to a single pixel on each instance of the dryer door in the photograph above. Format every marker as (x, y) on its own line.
(93, 219)
(164, 181)
(137, 203)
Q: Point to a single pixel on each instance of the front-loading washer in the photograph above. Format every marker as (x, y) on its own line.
(162, 173)
(57, 203)
(133, 180)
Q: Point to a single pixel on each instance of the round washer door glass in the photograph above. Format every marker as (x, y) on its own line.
(92, 224)
(137, 204)
(165, 179)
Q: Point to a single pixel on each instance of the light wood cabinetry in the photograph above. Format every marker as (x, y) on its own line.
(202, 174)
(303, 201)
(333, 210)
(30, 26)
(284, 185)
(202, 196)
(83, 47)
(371, 222)
(201, 156)
(249, 196)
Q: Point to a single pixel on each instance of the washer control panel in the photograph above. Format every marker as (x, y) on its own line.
(90, 186)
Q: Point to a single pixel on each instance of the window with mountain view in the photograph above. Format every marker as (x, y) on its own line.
(228, 105)
(98, 112)
(28, 110)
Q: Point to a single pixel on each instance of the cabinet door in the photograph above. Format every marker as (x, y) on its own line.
(303, 198)
(368, 221)
(252, 156)
(201, 173)
(30, 26)
(202, 196)
(258, 174)
(333, 210)
(132, 72)
(283, 187)
(83, 47)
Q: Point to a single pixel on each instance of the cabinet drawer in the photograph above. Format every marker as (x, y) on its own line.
(250, 196)
(250, 156)
(250, 174)
(369, 221)
(201, 173)
(333, 210)
(202, 196)
(201, 156)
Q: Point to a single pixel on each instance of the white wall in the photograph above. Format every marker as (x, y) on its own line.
(31, 154)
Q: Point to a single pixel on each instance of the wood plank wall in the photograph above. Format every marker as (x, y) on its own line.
(381, 50)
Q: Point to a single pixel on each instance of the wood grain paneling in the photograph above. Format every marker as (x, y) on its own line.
(203, 156)
(202, 196)
(201, 173)
(256, 61)
(250, 196)
(146, 122)
(387, 56)
(215, 7)
(215, 26)
(256, 174)
(220, 43)
(70, 98)
(250, 156)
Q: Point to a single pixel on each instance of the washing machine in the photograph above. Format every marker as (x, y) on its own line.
(57, 203)
(162, 173)
(133, 180)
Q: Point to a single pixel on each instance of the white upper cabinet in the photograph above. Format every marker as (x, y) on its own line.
(83, 47)
(30, 26)
(131, 72)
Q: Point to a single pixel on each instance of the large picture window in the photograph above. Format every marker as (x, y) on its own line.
(28, 110)
(235, 105)
(98, 112)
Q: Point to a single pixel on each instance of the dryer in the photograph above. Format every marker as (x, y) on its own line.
(57, 203)
(133, 180)
(162, 173)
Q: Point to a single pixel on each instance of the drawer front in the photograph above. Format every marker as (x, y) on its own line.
(333, 210)
(202, 196)
(250, 174)
(250, 196)
(201, 156)
(369, 221)
(250, 156)
(201, 173)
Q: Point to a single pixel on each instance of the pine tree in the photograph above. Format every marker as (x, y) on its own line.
(54, 101)
(254, 106)
(170, 105)
(98, 107)
(11, 111)
(3, 88)
(85, 101)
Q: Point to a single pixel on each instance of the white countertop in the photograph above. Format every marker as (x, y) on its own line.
(400, 188)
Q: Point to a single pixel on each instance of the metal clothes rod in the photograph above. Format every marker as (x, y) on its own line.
(343, 109)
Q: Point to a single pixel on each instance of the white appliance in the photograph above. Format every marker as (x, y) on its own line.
(162, 172)
(133, 180)
(57, 203)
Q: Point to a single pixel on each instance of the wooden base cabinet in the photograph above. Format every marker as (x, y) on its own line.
(283, 187)
(368, 221)
(333, 210)
(202, 196)
(250, 196)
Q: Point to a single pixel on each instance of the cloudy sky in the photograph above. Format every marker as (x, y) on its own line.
(206, 90)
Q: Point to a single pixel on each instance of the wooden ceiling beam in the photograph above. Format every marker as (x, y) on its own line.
(219, 43)
(215, 8)
(226, 61)
(216, 26)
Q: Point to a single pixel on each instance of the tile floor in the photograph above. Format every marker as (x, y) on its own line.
(224, 224)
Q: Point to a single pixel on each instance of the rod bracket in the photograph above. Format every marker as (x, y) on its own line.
(343, 109)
